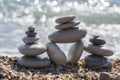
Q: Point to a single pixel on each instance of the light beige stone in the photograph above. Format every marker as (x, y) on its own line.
(33, 62)
(67, 25)
(32, 49)
(65, 19)
(55, 54)
(117, 77)
(75, 52)
(67, 36)
(96, 50)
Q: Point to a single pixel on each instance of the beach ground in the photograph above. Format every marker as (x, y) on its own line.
(10, 70)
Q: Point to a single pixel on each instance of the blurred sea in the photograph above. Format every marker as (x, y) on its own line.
(96, 16)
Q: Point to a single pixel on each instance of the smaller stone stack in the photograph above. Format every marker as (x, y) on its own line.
(67, 32)
(31, 49)
(97, 59)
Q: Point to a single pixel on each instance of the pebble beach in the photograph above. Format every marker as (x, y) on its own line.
(10, 70)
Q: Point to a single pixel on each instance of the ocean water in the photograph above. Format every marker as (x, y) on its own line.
(100, 17)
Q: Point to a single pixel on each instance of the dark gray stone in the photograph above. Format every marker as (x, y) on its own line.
(96, 40)
(95, 62)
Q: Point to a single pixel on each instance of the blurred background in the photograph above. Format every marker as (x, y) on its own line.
(100, 17)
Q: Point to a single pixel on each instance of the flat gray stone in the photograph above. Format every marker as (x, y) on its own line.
(33, 62)
(117, 77)
(55, 54)
(67, 25)
(95, 62)
(105, 76)
(30, 40)
(97, 50)
(67, 36)
(65, 19)
(32, 49)
(75, 52)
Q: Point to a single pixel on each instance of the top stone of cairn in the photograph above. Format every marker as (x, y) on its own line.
(97, 41)
(31, 28)
(64, 19)
(31, 31)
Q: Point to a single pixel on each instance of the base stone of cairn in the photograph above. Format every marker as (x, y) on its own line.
(97, 60)
(31, 49)
(66, 33)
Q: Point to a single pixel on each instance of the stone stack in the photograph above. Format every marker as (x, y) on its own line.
(66, 33)
(31, 49)
(97, 58)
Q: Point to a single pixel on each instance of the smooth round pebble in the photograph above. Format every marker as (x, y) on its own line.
(67, 36)
(75, 52)
(33, 62)
(67, 25)
(55, 54)
(97, 50)
(105, 76)
(30, 40)
(65, 19)
(95, 62)
(32, 49)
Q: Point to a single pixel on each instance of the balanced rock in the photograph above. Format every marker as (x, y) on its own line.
(67, 25)
(33, 62)
(55, 54)
(65, 19)
(97, 41)
(30, 40)
(32, 49)
(67, 36)
(75, 52)
(95, 62)
(98, 50)
(105, 76)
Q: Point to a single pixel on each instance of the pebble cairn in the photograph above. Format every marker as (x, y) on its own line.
(67, 32)
(97, 58)
(31, 49)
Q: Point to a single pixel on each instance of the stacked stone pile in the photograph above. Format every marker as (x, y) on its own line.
(98, 58)
(67, 32)
(31, 49)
